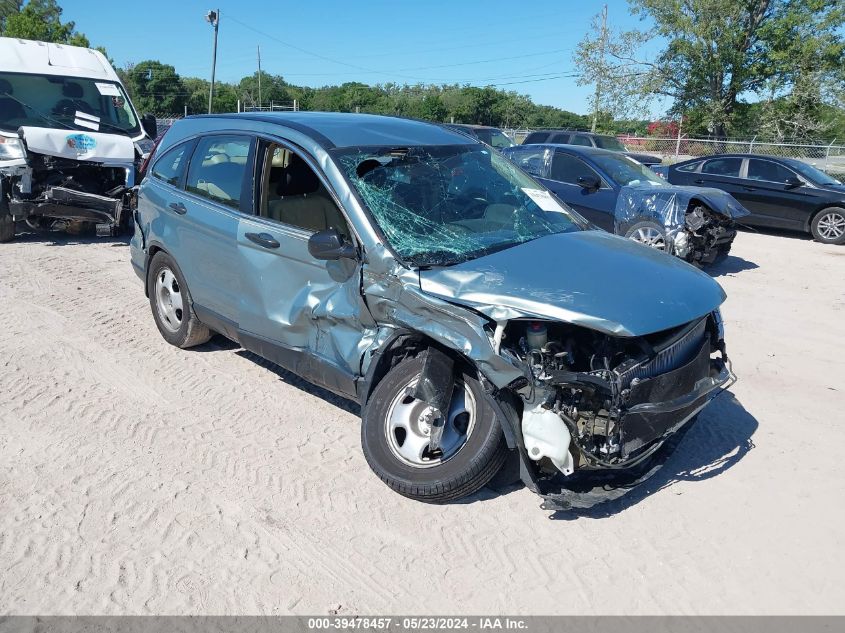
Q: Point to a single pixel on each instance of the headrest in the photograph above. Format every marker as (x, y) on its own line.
(5, 87)
(299, 179)
(72, 90)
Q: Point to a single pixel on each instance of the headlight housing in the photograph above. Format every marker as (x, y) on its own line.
(11, 148)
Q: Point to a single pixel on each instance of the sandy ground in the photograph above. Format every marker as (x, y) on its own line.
(137, 478)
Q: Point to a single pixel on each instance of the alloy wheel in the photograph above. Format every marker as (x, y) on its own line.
(831, 225)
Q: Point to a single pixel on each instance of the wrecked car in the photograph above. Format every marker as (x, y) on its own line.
(624, 197)
(420, 273)
(70, 139)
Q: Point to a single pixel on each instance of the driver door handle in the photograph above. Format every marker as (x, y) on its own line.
(178, 207)
(263, 239)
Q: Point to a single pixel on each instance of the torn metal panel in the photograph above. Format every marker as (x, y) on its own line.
(667, 205)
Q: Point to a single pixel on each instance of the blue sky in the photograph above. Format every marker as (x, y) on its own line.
(516, 46)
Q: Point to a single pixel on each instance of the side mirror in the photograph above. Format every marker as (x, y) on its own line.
(591, 183)
(330, 245)
(148, 122)
(793, 183)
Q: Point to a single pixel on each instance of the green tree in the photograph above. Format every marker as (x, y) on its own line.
(8, 8)
(720, 50)
(156, 87)
(39, 20)
(605, 59)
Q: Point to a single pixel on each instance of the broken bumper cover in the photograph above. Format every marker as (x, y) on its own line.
(69, 204)
(658, 415)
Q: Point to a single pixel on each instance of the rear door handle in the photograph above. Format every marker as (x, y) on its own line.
(178, 207)
(263, 239)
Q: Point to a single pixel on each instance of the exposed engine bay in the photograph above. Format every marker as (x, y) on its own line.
(707, 235)
(54, 192)
(617, 397)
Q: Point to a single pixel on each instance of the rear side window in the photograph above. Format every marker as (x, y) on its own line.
(219, 168)
(568, 169)
(529, 159)
(769, 171)
(722, 166)
(171, 165)
(560, 138)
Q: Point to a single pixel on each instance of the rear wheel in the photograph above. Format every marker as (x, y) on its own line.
(171, 304)
(395, 438)
(828, 226)
(648, 233)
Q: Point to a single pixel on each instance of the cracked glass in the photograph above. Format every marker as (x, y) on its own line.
(442, 205)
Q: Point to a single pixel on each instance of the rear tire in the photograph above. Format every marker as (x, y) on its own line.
(828, 226)
(170, 301)
(461, 469)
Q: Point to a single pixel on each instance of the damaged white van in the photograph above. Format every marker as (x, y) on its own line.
(70, 139)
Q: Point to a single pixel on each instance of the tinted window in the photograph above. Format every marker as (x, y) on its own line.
(292, 194)
(690, 167)
(767, 170)
(530, 159)
(535, 137)
(567, 168)
(722, 166)
(609, 142)
(560, 138)
(170, 166)
(579, 139)
(218, 169)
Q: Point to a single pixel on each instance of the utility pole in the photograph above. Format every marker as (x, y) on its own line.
(259, 77)
(602, 53)
(213, 18)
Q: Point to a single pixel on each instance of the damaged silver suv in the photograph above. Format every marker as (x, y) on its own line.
(412, 269)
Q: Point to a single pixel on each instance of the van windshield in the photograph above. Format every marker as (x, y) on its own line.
(65, 102)
(442, 205)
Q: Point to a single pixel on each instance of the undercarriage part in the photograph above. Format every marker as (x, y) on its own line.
(707, 235)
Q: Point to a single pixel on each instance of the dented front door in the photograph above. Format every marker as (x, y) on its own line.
(304, 314)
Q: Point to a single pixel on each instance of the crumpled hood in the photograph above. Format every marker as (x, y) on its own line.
(667, 204)
(83, 145)
(587, 278)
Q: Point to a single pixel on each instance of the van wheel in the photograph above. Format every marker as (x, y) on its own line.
(7, 224)
(648, 233)
(828, 226)
(7, 227)
(395, 438)
(171, 304)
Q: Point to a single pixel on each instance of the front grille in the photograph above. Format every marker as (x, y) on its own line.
(669, 358)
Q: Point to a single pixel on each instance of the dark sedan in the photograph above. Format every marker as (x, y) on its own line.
(782, 193)
(625, 197)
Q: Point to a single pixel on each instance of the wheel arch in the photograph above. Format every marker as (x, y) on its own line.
(809, 223)
(152, 251)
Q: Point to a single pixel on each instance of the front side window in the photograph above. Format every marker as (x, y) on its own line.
(568, 169)
(768, 171)
(610, 143)
(53, 101)
(171, 165)
(219, 167)
(441, 205)
(690, 167)
(722, 167)
(292, 194)
(579, 139)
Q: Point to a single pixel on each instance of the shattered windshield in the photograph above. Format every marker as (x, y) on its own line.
(441, 205)
(65, 102)
(627, 171)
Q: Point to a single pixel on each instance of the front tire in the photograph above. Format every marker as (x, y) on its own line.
(648, 233)
(394, 438)
(828, 226)
(170, 301)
